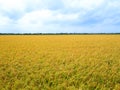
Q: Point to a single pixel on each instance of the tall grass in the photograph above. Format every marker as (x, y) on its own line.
(67, 62)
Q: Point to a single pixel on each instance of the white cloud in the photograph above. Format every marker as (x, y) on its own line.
(12, 5)
(46, 16)
(5, 20)
(83, 4)
(114, 4)
(51, 15)
(44, 19)
(66, 17)
(35, 17)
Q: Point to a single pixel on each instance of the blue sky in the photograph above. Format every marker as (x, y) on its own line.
(56, 16)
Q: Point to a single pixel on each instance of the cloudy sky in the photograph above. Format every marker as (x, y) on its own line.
(49, 16)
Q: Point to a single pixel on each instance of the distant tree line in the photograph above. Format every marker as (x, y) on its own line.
(58, 33)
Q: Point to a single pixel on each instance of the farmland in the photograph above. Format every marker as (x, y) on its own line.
(60, 62)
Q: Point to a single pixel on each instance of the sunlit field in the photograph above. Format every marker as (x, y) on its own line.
(60, 62)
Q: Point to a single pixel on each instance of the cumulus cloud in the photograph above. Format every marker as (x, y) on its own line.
(45, 16)
(4, 20)
(83, 4)
(59, 15)
(12, 5)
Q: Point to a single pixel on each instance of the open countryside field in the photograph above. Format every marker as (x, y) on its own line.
(60, 62)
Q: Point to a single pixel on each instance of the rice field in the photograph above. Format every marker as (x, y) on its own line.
(60, 62)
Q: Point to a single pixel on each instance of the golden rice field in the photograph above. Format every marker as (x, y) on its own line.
(60, 62)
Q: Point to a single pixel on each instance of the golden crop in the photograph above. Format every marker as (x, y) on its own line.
(60, 62)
